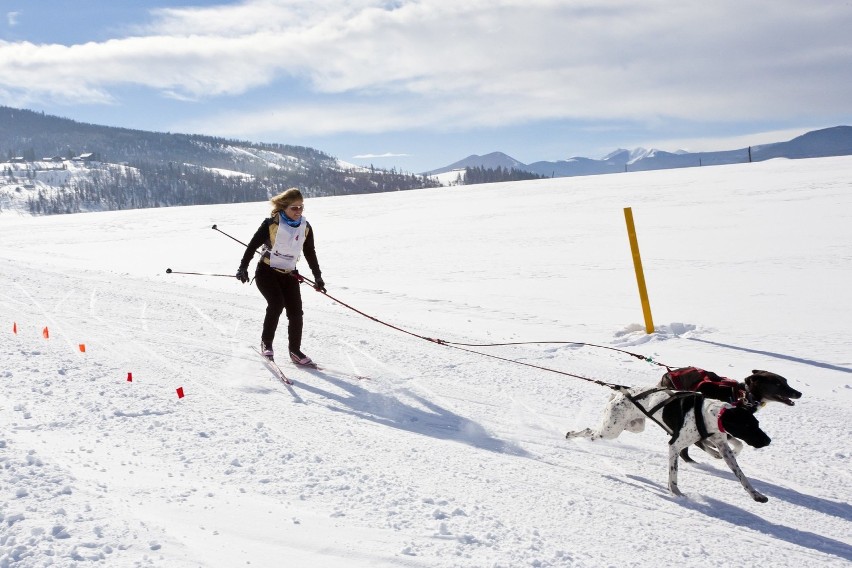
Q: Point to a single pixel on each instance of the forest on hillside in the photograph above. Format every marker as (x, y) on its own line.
(114, 187)
(137, 169)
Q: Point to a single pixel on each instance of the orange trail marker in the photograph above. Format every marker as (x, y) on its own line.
(129, 377)
(180, 392)
(15, 327)
(82, 348)
(45, 333)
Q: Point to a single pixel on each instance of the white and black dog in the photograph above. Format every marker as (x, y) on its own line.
(689, 418)
(755, 390)
(752, 393)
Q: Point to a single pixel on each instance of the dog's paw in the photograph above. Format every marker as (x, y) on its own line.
(579, 434)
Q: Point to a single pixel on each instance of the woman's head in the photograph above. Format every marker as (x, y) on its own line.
(289, 202)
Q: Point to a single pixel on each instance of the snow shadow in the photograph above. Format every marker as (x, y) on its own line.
(423, 417)
(776, 355)
(837, 509)
(735, 515)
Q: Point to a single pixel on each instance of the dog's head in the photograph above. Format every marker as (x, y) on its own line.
(740, 423)
(765, 386)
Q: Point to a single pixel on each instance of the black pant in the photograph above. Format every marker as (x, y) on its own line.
(281, 292)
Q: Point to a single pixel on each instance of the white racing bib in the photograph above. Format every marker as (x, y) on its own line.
(287, 247)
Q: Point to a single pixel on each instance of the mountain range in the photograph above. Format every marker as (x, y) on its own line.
(834, 141)
(50, 164)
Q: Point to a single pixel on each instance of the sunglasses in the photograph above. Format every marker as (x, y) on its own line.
(295, 207)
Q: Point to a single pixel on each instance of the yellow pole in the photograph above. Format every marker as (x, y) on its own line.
(637, 265)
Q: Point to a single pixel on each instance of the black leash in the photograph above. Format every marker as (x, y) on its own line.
(673, 396)
(623, 389)
(637, 355)
(462, 346)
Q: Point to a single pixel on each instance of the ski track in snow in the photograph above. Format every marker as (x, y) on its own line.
(439, 458)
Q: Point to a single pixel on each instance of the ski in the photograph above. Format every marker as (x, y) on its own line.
(273, 367)
(341, 373)
(324, 369)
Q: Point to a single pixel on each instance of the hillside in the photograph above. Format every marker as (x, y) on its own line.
(138, 169)
(35, 135)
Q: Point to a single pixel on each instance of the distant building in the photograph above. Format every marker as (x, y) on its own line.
(18, 160)
(87, 157)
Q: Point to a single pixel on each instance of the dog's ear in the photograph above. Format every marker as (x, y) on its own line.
(757, 372)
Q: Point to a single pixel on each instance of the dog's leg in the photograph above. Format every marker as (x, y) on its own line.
(620, 414)
(735, 444)
(688, 436)
(585, 433)
(731, 460)
(608, 432)
(710, 448)
(673, 457)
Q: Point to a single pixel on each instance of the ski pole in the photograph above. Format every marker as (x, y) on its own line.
(215, 228)
(170, 271)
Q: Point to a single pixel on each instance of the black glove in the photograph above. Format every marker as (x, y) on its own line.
(319, 285)
(242, 275)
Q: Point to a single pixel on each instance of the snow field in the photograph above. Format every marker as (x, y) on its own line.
(440, 458)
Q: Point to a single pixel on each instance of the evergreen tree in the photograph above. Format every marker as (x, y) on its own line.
(479, 174)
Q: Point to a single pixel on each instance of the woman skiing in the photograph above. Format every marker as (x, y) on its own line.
(285, 236)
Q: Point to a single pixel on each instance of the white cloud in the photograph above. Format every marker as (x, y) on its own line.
(312, 119)
(377, 156)
(12, 18)
(433, 63)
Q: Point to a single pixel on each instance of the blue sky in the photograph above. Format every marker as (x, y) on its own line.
(417, 85)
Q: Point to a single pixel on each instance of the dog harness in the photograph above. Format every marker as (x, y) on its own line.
(739, 396)
(674, 410)
(719, 417)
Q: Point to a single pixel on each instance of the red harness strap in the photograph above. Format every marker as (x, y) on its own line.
(706, 378)
(719, 418)
(725, 382)
(676, 374)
